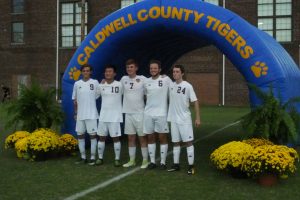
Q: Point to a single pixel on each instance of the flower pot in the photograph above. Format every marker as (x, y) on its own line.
(268, 179)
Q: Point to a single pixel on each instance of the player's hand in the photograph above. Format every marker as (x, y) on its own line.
(197, 122)
(103, 81)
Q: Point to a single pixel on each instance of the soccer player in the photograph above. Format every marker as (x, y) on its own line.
(181, 94)
(110, 114)
(133, 107)
(155, 114)
(84, 97)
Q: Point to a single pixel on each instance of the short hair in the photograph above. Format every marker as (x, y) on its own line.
(180, 67)
(85, 66)
(131, 61)
(153, 61)
(110, 66)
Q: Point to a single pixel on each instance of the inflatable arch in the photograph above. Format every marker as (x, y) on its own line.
(167, 29)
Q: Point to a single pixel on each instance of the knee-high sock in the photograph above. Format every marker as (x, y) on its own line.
(144, 153)
(152, 149)
(117, 148)
(101, 148)
(81, 145)
(132, 152)
(93, 148)
(176, 154)
(163, 153)
(190, 154)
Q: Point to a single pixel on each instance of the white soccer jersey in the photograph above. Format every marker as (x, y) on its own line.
(180, 97)
(157, 96)
(133, 101)
(111, 102)
(85, 93)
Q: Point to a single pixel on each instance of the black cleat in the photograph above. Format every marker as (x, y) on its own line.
(163, 166)
(92, 162)
(191, 170)
(151, 166)
(174, 168)
(81, 161)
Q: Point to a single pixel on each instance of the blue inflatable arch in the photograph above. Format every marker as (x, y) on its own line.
(167, 29)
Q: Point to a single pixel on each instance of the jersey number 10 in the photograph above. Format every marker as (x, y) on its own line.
(115, 90)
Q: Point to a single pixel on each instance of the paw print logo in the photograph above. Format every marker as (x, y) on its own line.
(74, 73)
(259, 69)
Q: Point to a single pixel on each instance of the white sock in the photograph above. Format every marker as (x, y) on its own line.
(190, 154)
(93, 148)
(132, 151)
(176, 154)
(144, 153)
(81, 145)
(117, 148)
(101, 147)
(152, 149)
(163, 153)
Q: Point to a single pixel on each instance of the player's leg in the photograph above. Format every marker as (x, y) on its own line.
(114, 130)
(161, 127)
(91, 126)
(148, 129)
(130, 131)
(176, 140)
(80, 130)
(188, 138)
(102, 132)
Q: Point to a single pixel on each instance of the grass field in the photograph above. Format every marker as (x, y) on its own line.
(60, 178)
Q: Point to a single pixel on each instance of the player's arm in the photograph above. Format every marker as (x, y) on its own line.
(197, 113)
(74, 98)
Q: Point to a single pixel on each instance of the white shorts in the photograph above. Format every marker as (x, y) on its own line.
(134, 124)
(88, 125)
(113, 129)
(182, 132)
(156, 124)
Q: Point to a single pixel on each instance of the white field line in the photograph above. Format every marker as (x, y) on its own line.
(124, 175)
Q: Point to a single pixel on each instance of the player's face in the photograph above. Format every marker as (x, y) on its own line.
(154, 70)
(109, 74)
(131, 69)
(177, 74)
(86, 73)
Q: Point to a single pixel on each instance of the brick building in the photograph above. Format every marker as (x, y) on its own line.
(28, 42)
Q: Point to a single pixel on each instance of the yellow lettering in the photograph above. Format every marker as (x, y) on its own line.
(223, 29)
(100, 37)
(187, 14)
(142, 17)
(239, 42)
(109, 29)
(88, 51)
(210, 21)
(124, 24)
(80, 61)
(154, 12)
(117, 24)
(231, 35)
(177, 14)
(198, 16)
(95, 46)
(247, 52)
(216, 25)
(131, 21)
(164, 14)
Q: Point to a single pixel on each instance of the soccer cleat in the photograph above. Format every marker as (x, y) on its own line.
(131, 163)
(191, 170)
(117, 163)
(81, 161)
(163, 166)
(151, 166)
(174, 168)
(145, 164)
(92, 162)
(99, 162)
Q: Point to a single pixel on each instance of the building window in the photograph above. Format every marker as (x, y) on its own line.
(17, 32)
(70, 24)
(125, 3)
(17, 6)
(275, 18)
(215, 2)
